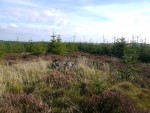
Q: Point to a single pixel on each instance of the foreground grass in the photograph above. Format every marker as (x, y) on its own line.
(36, 87)
(20, 74)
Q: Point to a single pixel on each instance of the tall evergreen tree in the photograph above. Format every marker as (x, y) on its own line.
(56, 46)
(118, 47)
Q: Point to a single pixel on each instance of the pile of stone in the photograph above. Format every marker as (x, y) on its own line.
(63, 65)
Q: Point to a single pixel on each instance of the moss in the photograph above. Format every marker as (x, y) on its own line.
(140, 96)
(143, 100)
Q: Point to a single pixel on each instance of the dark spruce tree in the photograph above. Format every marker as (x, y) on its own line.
(56, 46)
(118, 47)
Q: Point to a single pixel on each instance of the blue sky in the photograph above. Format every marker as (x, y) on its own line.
(90, 20)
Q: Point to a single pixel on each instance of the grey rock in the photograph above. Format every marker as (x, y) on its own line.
(61, 65)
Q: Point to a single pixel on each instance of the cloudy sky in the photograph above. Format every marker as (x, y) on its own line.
(87, 20)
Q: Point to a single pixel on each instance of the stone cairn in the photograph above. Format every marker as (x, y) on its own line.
(63, 65)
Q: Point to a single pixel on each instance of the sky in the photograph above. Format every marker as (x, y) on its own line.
(75, 20)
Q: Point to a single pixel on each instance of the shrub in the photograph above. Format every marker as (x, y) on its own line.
(71, 47)
(38, 48)
(26, 103)
(99, 87)
(104, 49)
(110, 102)
(131, 54)
(17, 47)
(145, 53)
(8, 108)
(118, 48)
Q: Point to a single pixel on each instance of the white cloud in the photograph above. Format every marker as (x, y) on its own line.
(8, 26)
(35, 23)
(51, 17)
(125, 19)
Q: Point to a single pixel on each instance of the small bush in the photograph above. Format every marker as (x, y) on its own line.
(118, 47)
(38, 48)
(26, 103)
(99, 87)
(110, 102)
(8, 108)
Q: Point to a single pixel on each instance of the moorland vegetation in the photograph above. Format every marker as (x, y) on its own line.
(103, 77)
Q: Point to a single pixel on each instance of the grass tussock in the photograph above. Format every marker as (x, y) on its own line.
(139, 95)
(16, 76)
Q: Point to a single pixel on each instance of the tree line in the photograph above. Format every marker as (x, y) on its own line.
(129, 52)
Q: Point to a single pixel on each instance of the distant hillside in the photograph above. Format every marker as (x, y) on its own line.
(2, 41)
